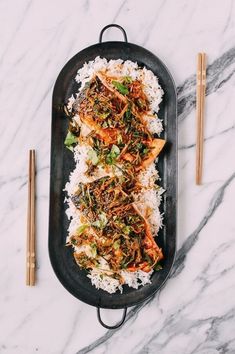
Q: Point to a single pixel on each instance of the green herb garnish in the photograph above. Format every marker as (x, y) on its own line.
(81, 229)
(136, 134)
(128, 113)
(126, 229)
(93, 157)
(145, 151)
(93, 250)
(115, 150)
(157, 267)
(70, 148)
(70, 140)
(127, 261)
(148, 259)
(119, 139)
(104, 124)
(113, 154)
(120, 87)
(101, 222)
(127, 80)
(104, 114)
(116, 245)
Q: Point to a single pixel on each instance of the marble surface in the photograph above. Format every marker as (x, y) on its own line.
(195, 311)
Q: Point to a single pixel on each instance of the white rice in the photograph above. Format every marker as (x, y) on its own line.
(111, 285)
(102, 281)
(70, 102)
(154, 124)
(149, 199)
(78, 174)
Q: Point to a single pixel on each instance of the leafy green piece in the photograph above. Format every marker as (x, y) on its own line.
(142, 148)
(104, 114)
(103, 219)
(93, 250)
(126, 229)
(69, 148)
(127, 261)
(128, 113)
(157, 187)
(120, 87)
(139, 146)
(93, 157)
(112, 156)
(148, 259)
(97, 224)
(136, 134)
(116, 244)
(119, 223)
(101, 222)
(145, 151)
(115, 150)
(87, 85)
(70, 140)
(81, 229)
(109, 160)
(104, 124)
(157, 267)
(119, 138)
(127, 80)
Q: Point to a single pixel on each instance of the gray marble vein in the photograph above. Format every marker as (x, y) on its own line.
(119, 10)
(86, 5)
(191, 239)
(218, 74)
(72, 331)
(153, 22)
(222, 132)
(21, 21)
(229, 18)
(215, 323)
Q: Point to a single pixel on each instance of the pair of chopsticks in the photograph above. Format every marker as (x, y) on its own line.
(200, 109)
(30, 256)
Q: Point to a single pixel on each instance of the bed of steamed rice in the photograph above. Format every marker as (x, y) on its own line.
(149, 198)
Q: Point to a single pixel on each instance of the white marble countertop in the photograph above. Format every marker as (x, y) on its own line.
(195, 311)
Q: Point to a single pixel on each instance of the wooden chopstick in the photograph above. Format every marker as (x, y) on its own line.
(32, 243)
(28, 222)
(200, 109)
(203, 93)
(198, 113)
(30, 269)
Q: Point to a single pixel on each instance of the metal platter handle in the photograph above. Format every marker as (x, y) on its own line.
(112, 25)
(119, 324)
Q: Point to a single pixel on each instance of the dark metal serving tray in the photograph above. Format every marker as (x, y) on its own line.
(70, 275)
